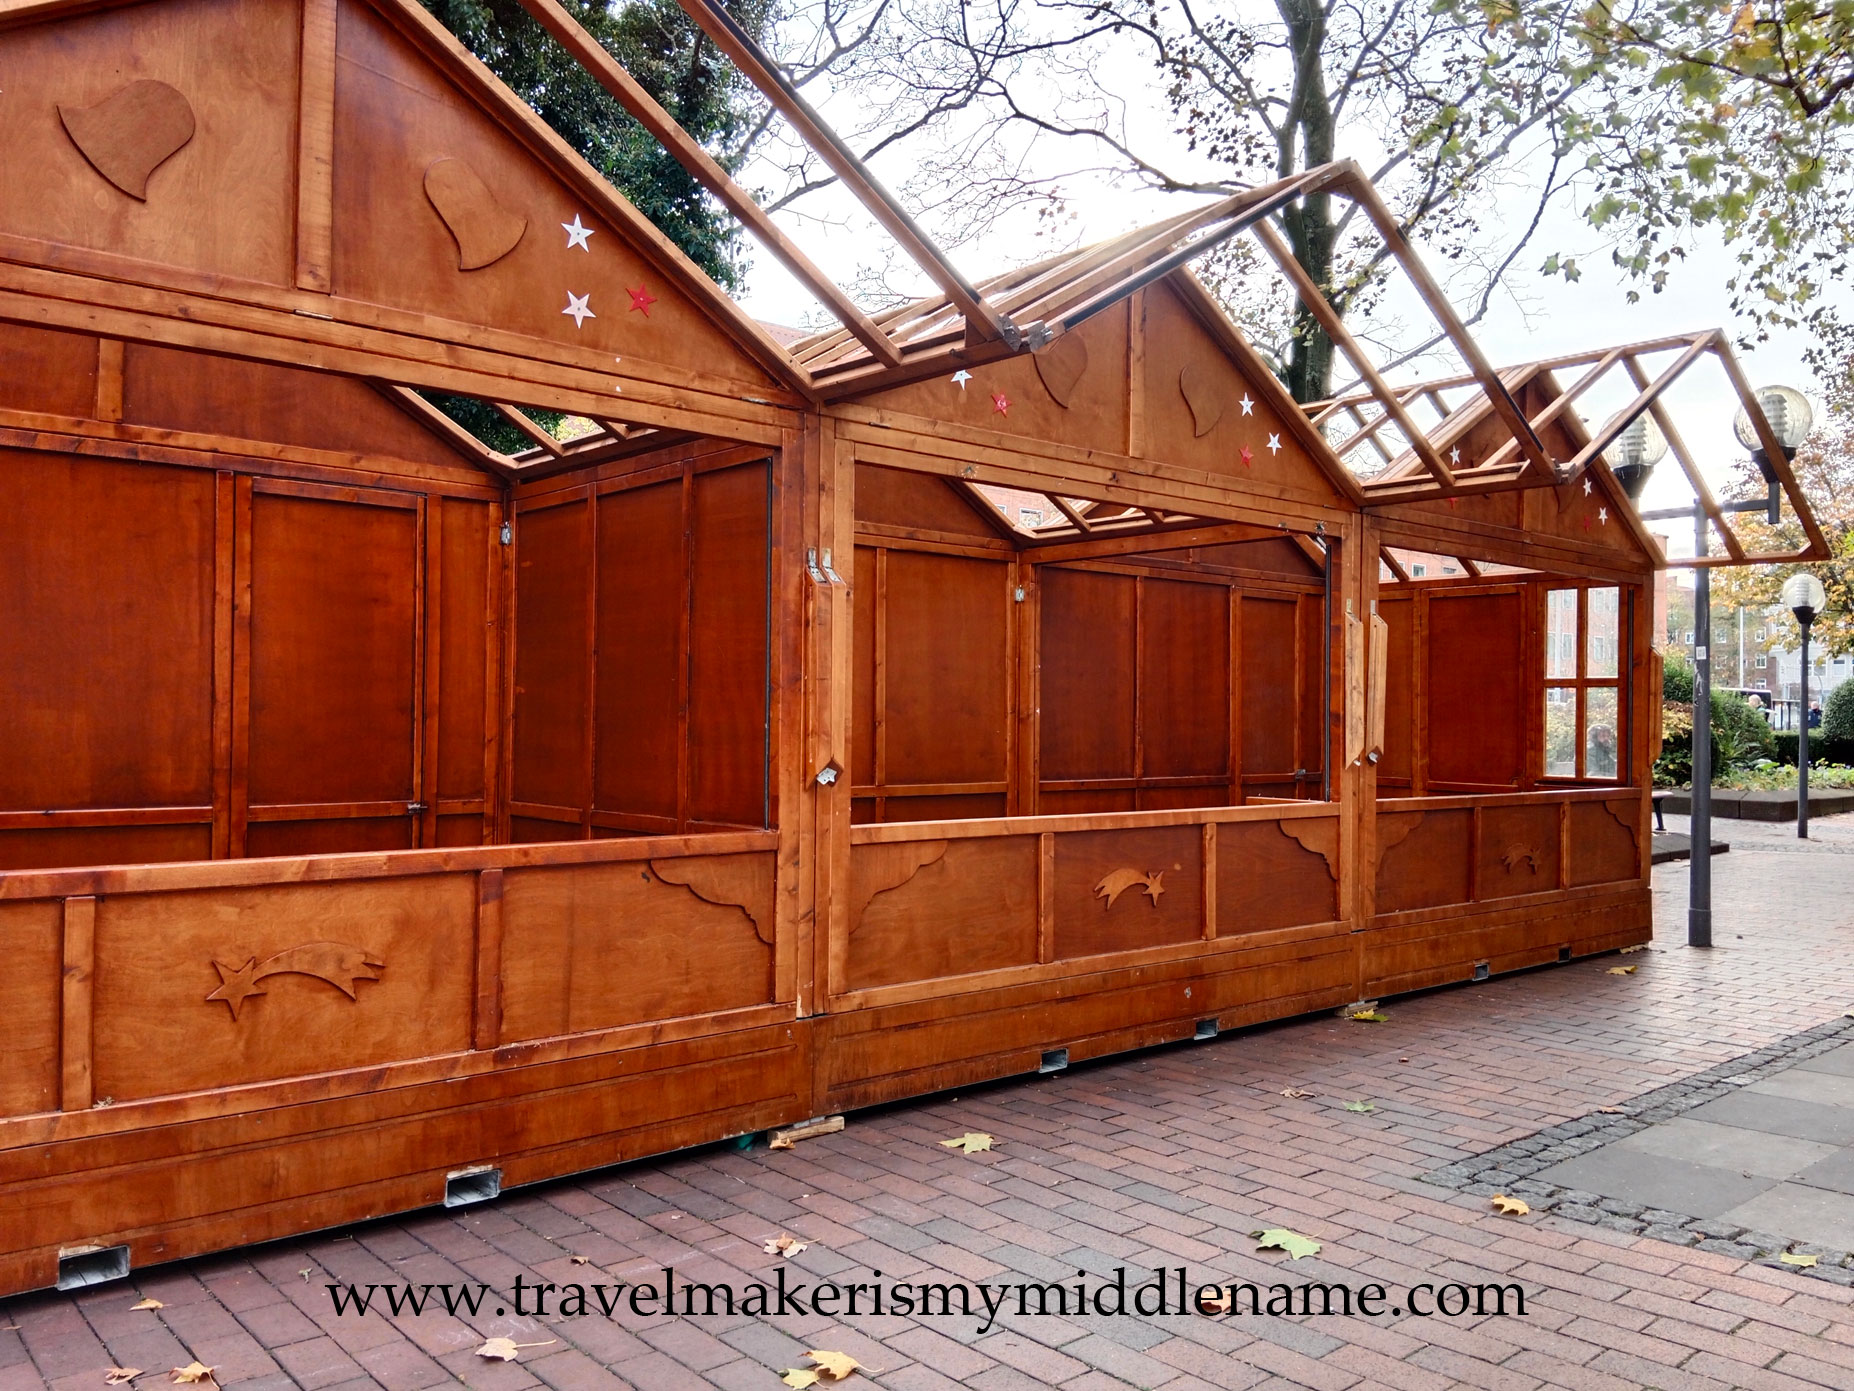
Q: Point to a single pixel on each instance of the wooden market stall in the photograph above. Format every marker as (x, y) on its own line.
(386, 817)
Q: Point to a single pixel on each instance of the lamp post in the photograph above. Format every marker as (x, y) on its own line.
(1804, 596)
(1789, 417)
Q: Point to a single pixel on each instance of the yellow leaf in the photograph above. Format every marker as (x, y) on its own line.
(193, 1374)
(1791, 1258)
(148, 1304)
(1612, 1110)
(121, 1376)
(787, 1246)
(1281, 1239)
(1296, 1094)
(1368, 1016)
(970, 1143)
(1516, 1207)
(800, 1377)
(582, 1260)
(1744, 23)
(1621, 971)
(833, 1366)
(1639, 946)
(504, 1349)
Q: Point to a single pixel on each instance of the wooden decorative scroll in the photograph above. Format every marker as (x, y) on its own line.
(879, 868)
(342, 966)
(1626, 815)
(485, 230)
(729, 881)
(1201, 395)
(126, 137)
(1120, 880)
(1321, 837)
(1061, 365)
(1394, 831)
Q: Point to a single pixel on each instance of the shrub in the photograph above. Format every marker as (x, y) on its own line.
(1821, 751)
(1838, 713)
(1740, 738)
(1676, 678)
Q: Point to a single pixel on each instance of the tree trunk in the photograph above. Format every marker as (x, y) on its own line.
(1306, 140)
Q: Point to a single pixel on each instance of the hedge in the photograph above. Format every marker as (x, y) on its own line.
(1821, 750)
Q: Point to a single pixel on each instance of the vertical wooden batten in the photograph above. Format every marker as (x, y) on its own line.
(109, 379)
(486, 1027)
(77, 1089)
(315, 150)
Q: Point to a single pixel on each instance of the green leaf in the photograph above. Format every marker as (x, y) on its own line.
(1360, 1106)
(1281, 1239)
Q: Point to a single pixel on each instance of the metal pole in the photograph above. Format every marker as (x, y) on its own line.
(1699, 892)
(1802, 746)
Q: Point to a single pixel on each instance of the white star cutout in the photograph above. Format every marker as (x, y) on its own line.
(1603, 515)
(1248, 406)
(576, 306)
(961, 377)
(1274, 444)
(576, 234)
(1454, 455)
(1586, 487)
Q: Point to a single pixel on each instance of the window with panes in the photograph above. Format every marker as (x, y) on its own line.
(1583, 684)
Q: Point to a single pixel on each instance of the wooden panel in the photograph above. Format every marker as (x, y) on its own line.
(864, 601)
(945, 807)
(552, 663)
(948, 669)
(1519, 851)
(916, 502)
(1311, 739)
(595, 946)
(1603, 841)
(729, 620)
(1267, 879)
(333, 601)
(160, 957)
(1398, 760)
(31, 938)
(465, 626)
(460, 830)
(1184, 679)
(643, 576)
(103, 845)
(1269, 685)
(1474, 675)
(106, 581)
(972, 909)
(1088, 666)
(1154, 878)
(46, 371)
(1067, 803)
(339, 835)
(1444, 947)
(1423, 859)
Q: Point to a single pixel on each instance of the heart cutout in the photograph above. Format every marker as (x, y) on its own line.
(1203, 397)
(126, 137)
(1061, 364)
(485, 231)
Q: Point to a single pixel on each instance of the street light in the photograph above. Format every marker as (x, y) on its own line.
(1790, 417)
(1635, 453)
(1804, 596)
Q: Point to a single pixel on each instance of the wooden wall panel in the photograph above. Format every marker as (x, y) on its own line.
(47, 847)
(335, 835)
(1397, 764)
(1310, 736)
(333, 656)
(1475, 681)
(865, 599)
(730, 623)
(466, 705)
(917, 502)
(1270, 686)
(106, 581)
(159, 957)
(974, 908)
(1424, 859)
(1088, 665)
(948, 668)
(1266, 879)
(46, 371)
(597, 946)
(552, 662)
(1604, 841)
(1518, 851)
(31, 944)
(643, 578)
(1166, 906)
(1184, 680)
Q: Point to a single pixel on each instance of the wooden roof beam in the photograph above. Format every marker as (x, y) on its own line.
(1734, 548)
(448, 430)
(1392, 564)
(526, 424)
(1818, 548)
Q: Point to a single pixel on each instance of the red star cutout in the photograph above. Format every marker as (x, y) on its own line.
(1247, 455)
(1586, 523)
(1454, 502)
(1000, 403)
(641, 299)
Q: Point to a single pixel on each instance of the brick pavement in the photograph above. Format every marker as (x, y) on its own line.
(1159, 1159)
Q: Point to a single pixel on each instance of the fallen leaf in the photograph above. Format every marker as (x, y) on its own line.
(582, 1260)
(800, 1377)
(121, 1376)
(1296, 1094)
(1620, 971)
(504, 1349)
(148, 1304)
(1218, 1303)
(1515, 1207)
(1612, 1110)
(970, 1143)
(1792, 1258)
(833, 1366)
(1281, 1239)
(193, 1374)
(305, 1272)
(1628, 951)
(1360, 1106)
(1368, 1016)
(787, 1246)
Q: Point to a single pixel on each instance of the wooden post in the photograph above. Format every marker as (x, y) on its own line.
(486, 1031)
(80, 946)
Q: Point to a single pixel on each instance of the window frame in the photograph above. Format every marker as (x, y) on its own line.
(1583, 683)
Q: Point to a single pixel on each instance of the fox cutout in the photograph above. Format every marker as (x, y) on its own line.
(1517, 855)
(1121, 880)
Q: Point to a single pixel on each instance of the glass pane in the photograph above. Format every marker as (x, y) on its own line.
(1561, 632)
(1603, 627)
(1561, 732)
(1600, 739)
